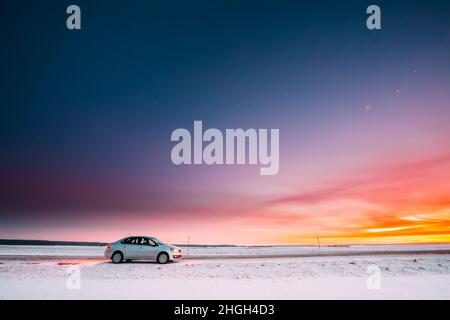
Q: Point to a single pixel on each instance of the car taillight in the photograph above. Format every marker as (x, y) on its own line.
(107, 246)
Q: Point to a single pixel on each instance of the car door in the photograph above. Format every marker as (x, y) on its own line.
(130, 248)
(147, 249)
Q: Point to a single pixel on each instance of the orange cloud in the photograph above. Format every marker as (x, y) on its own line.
(408, 202)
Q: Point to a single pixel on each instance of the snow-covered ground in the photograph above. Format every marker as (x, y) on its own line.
(28, 272)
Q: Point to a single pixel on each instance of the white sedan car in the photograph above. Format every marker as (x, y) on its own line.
(141, 248)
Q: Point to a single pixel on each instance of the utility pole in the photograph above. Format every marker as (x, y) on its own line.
(318, 241)
(189, 238)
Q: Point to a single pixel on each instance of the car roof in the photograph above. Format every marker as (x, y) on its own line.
(139, 237)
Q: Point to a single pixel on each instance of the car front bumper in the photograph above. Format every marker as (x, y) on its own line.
(175, 256)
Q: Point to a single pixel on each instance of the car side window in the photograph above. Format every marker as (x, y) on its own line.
(139, 241)
(127, 241)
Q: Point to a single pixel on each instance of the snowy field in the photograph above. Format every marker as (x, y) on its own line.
(230, 252)
(279, 272)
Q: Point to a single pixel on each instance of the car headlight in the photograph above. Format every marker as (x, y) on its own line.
(175, 250)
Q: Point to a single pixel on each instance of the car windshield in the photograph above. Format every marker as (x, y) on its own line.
(158, 241)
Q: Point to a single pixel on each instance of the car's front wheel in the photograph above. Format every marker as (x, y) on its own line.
(163, 258)
(117, 257)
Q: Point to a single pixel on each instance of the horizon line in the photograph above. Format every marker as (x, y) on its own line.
(100, 243)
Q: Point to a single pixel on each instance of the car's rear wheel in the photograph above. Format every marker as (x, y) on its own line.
(117, 257)
(163, 258)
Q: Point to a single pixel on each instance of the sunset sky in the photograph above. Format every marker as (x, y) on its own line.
(364, 117)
